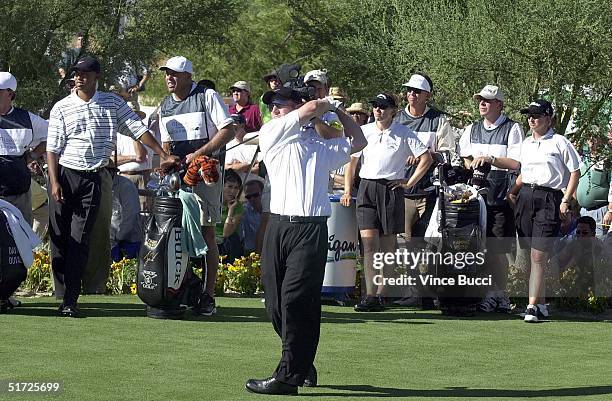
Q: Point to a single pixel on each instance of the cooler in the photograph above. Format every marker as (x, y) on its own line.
(342, 250)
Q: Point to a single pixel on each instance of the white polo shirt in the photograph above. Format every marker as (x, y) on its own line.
(125, 147)
(548, 161)
(84, 133)
(298, 164)
(513, 150)
(387, 151)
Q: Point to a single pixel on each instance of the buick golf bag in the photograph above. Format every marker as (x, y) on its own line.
(12, 269)
(462, 232)
(165, 281)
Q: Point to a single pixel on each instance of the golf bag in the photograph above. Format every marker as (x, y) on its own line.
(12, 270)
(462, 229)
(165, 281)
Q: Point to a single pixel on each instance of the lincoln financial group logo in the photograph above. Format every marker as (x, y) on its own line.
(340, 249)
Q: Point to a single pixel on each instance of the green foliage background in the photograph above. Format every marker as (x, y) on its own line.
(561, 50)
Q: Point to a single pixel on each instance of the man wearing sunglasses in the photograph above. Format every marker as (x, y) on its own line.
(23, 137)
(295, 250)
(495, 141)
(241, 93)
(253, 210)
(434, 131)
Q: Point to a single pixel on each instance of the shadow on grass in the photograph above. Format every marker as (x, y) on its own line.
(88, 309)
(255, 314)
(360, 391)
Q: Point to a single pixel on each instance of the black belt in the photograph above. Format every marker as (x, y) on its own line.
(95, 170)
(299, 219)
(541, 188)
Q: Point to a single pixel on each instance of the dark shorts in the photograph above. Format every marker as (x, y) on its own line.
(379, 207)
(501, 229)
(537, 217)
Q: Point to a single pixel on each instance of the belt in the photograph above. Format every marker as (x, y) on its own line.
(139, 172)
(299, 219)
(540, 187)
(95, 170)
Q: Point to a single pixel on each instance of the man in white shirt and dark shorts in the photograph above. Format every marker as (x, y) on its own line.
(293, 260)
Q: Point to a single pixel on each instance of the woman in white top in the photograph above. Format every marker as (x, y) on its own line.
(380, 199)
(549, 163)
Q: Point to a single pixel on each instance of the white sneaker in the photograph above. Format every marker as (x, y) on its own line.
(533, 313)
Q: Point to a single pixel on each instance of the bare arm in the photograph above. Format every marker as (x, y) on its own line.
(501, 162)
(425, 161)
(349, 178)
(352, 131)
(222, 137)
(151, 142)
(569, 191)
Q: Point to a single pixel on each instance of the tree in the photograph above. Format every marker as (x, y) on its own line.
(560, 50)
(114, 31)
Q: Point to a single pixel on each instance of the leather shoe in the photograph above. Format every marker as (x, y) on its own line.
(270, 386)
(311, 377)
(69, 311)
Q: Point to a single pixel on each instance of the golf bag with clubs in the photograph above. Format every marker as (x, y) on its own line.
(461, 225)
(166, 282)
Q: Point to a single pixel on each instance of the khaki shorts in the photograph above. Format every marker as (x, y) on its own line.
(209, 198)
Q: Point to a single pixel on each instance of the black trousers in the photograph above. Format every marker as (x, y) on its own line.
(70, 225)
(293, 265)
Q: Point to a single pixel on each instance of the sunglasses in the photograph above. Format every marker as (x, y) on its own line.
(416, 91)
(535, 116)
(235, 90)
(251, 196)
(380, 106)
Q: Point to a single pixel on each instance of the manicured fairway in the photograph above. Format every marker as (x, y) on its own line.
(118, 354)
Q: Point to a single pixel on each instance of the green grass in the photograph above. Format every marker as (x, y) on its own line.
(118, 354)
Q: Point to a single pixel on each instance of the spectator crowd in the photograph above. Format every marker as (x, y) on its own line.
(80, 177)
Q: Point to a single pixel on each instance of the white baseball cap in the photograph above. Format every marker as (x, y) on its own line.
(8, 81)
(418, 81)
(178, 64)
(316, 75)
(490, 92)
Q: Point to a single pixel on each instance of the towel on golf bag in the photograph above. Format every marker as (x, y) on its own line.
(433, 234)
(193, 241)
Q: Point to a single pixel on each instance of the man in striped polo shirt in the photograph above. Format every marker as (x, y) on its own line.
(496, 140)
(83, 130)
(194, 121)
(22, 138)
